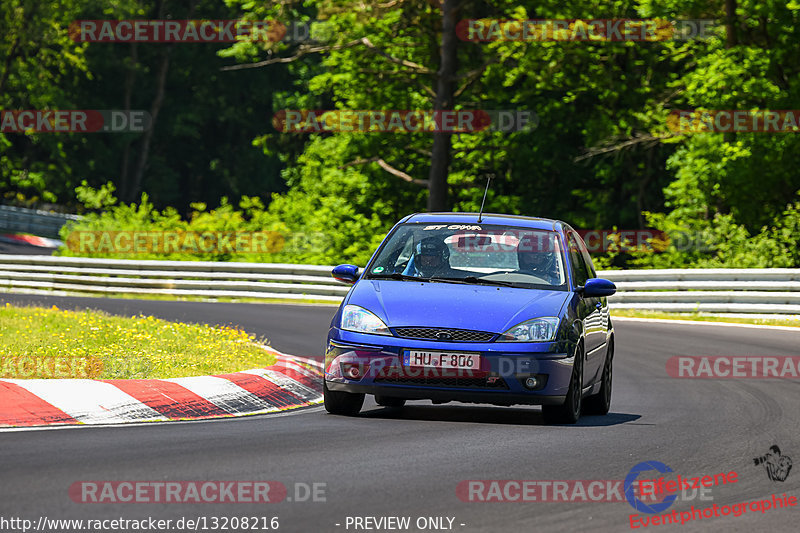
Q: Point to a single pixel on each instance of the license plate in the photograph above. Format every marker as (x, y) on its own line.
(461, 361)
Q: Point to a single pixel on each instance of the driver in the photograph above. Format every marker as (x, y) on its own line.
(533, 260)
(432, 258)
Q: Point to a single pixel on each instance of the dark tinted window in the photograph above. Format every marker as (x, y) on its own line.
(590, 271)
(576, 259)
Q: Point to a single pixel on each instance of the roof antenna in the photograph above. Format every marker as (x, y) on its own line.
(488, 181)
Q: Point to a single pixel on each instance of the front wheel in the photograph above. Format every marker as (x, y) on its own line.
(341, 403)
(600, 403)
(570, 411)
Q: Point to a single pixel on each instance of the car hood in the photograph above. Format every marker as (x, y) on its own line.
(451, 305)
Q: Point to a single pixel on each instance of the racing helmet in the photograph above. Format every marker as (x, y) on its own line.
(431, 255)
(535, 256)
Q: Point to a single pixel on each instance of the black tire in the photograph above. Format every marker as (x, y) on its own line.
(389, 401)
(570, 411)
(341, 403)
(600, 403)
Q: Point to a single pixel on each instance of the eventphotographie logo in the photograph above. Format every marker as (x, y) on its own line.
(777, 465)
(666, 491)
(631, 480)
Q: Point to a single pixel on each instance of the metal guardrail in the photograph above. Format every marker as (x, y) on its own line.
(33, 221)
(718, 290)
(763, 291)
(203, 279)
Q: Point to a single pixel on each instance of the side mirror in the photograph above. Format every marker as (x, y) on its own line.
(598, 287)
(345, 273)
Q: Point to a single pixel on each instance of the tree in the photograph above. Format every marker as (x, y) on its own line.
(38, 57)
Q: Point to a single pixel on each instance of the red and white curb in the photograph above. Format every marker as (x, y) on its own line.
(290, 383)
(32, 240)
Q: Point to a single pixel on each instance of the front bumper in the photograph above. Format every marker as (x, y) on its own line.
(443, 396)
(500, 379)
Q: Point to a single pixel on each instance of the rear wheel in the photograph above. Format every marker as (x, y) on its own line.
(389, 401)
(570, 411)
(341, 403)
(600, 403)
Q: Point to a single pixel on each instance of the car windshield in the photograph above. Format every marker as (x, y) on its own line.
(472, 253)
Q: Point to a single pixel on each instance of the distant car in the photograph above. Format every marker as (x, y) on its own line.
(503, 311)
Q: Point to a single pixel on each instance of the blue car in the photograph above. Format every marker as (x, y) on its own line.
(492, 309)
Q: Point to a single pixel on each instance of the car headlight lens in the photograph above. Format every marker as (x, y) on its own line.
(534, 330)
(355, 318)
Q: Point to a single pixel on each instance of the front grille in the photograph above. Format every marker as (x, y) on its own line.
(454, 382)
(439, 334)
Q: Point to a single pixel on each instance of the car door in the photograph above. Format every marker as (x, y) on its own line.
(605, 316)
(589, 309)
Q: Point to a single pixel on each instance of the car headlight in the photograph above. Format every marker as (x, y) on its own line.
(534, 330)
(355, 318)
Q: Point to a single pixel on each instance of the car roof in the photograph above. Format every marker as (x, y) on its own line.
(486, 218)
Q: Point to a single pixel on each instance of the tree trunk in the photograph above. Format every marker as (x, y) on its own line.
(731, 40)
(141, 165)
(442, 141)
(730, 24)
(158, 101)
(130, 79)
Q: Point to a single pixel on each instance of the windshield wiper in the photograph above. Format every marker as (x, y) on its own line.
(468, 280)
(397, 275)
(474, 280)
(442, 279)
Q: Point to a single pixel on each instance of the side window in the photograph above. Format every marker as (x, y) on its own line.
(577, 262)
(403, 255)
(590, 271)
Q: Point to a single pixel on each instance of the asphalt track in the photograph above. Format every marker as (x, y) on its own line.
(409, 463)
(22, 249)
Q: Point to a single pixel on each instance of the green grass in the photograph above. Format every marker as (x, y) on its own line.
(171, 298)
(789, 321)
(53, 343)
(225, 299)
